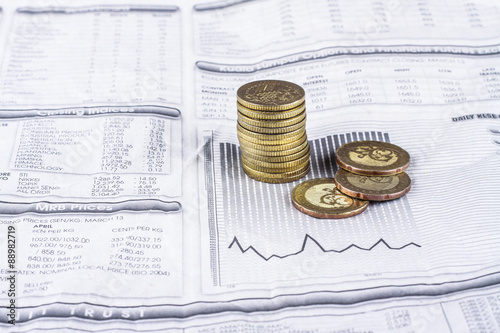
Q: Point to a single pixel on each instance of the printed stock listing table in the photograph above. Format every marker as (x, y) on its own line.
(124, 205)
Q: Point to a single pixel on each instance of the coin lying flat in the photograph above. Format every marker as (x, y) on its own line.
(372, 158)
(265, 137)
(272, 130)
(287, 179)
(272, 123)
(284, 177)
(275, 167)
(276, 159)
(320, 198)
(251, 171)
(271, 115)
(275, 151)
(270, 139)
(374, 188)
(270, 95)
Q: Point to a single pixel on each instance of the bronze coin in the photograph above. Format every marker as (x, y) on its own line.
(320, 198)
(372, 158)
(374, 188)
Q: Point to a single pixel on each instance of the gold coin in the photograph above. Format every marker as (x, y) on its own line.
(320, 198)
(270, 139)
(250, 155)
(276, 167)
(372, 158)
(273, 130)
(274, 175)
(272, 165)
(270, 95)
(271, 115)
(274, 151)
(283, 178)
(275, 146)
(272, 123)
(374, 188)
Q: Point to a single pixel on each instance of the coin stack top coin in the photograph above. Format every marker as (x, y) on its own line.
(271, 131)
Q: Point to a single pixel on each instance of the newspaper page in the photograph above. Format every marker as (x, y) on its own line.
(124, 206)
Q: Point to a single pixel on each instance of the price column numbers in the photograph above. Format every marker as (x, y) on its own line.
(425, 13)
(105, 186)
(115, 151)
(452, 91)
(408, 91)
(55, 254)
(491, 80)
(156, 146)
(137, 255)
(477, 315)
(288, 23)
(473, 15)
(316, 87)
(359, 91)
(335, 13)
(146, 185)
(379, 12)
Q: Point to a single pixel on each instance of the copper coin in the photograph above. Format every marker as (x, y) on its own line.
(372, 158)
(320, 198)
(374, 188)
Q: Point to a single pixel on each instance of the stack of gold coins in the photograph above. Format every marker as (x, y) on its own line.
(272, 131)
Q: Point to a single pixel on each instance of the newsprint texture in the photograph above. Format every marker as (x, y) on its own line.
(124, 206)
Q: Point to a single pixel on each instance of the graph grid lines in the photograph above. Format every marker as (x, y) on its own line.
(257, 219)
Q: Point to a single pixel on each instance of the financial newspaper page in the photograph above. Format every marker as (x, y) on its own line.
(124, 205)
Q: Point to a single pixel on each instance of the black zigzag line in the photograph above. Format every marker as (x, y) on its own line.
(308, 237)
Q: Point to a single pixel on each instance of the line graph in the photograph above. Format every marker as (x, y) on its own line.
(308, 238)
(243, 210)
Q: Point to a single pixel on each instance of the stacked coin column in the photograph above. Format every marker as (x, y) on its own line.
(271, 131)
